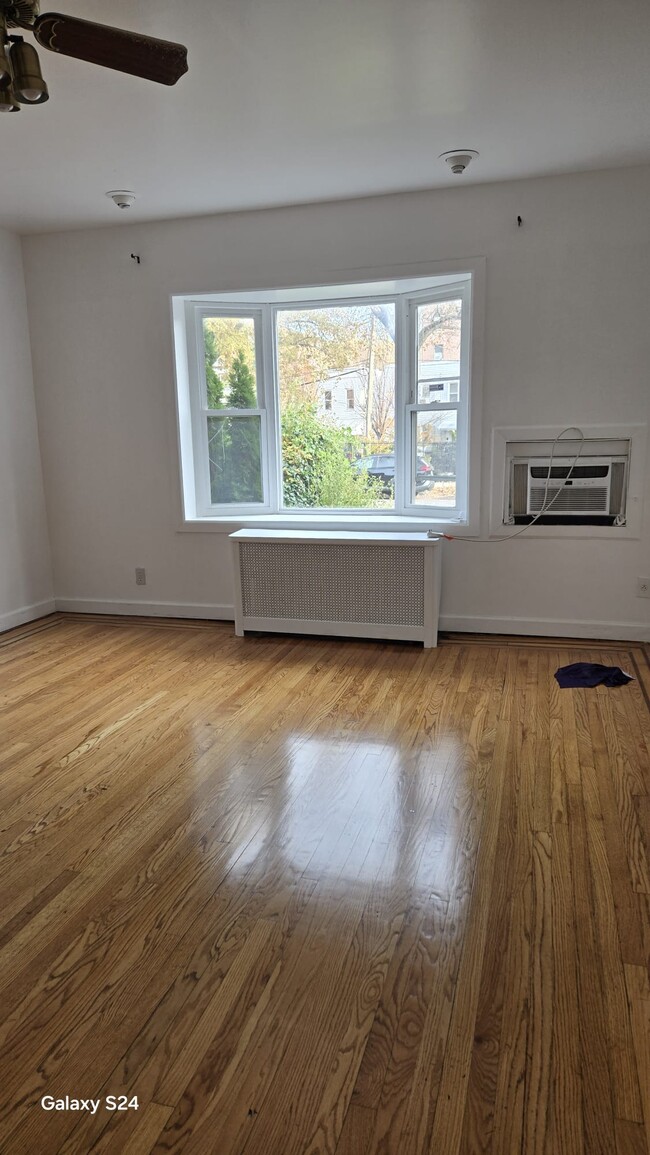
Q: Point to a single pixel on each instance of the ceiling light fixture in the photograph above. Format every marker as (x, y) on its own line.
(28, 86)
(8, 101)
(458, 159)
(7, 98)
(21, 79)
(5, 67)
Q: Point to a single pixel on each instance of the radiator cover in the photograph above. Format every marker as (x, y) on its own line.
(382, 585)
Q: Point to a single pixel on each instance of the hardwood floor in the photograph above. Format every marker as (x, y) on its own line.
(305, 897)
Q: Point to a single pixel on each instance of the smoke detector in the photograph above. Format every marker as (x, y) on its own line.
(458, 159)
(122, 198)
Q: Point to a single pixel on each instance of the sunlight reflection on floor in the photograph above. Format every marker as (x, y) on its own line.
(345, 814)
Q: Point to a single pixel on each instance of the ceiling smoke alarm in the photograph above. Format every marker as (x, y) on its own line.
(123, 199)
(459, 159)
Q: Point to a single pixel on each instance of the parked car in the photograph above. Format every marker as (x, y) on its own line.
(382, 465)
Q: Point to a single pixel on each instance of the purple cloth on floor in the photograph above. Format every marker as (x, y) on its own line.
(591, 674)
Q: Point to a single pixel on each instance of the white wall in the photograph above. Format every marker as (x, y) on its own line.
(567, 342)
(25, 572)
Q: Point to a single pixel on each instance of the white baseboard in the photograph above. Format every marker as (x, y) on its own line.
(146, 609)
(541, 627)
(546, 628)
(26, 614)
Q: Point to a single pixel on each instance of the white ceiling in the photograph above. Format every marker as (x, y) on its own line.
(290, 101)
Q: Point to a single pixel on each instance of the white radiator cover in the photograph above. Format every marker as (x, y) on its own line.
(376, 585)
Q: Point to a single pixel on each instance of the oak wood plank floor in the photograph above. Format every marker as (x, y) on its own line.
(308, 897)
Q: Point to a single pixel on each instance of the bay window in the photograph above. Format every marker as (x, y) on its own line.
(331, 402)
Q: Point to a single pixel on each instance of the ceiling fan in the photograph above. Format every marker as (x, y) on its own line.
(21, 80)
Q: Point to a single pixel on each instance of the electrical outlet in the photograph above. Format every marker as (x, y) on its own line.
(643, 587)
(140, 576)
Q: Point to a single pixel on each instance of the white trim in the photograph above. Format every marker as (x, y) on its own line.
(236, 575)
(412, 406)
(201, 412)
(348, 283)
(464, 276)
(273, 476)
(401, 398)
(180, 314)
(146, 609)
(26, 614)
(357, 523)
(636, 433)
(309, 627)
(431, 581)
(340, 537)
(461, 623)
(474, 333)
(546, 627)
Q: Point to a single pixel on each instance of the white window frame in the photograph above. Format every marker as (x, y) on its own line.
(458, 280)
(414, 406)
(201, 412)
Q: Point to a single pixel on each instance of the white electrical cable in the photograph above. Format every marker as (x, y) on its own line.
(545, 507)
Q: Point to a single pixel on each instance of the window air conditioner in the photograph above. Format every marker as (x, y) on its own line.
(592, 492)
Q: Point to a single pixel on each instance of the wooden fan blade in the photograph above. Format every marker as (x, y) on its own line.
(158, 60)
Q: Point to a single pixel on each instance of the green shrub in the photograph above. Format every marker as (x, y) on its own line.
(316, 471)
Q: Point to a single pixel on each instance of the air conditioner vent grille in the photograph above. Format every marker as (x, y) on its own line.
(333, 583)
(568, 500)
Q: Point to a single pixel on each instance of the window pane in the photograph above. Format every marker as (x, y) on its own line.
(434, 480)
(438, 361)
(229, 344)
(235, 459)
(336, 371)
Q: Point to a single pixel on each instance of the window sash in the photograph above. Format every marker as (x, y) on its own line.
(250, 314)
(462, 292)
(412, 411)
(205, 505)
(241, 415)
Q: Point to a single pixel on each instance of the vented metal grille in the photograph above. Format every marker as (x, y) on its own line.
(616, 487)
(333, 583)
(519, 489)
(591, 500)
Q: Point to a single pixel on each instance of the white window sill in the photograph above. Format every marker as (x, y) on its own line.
(362, 524)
